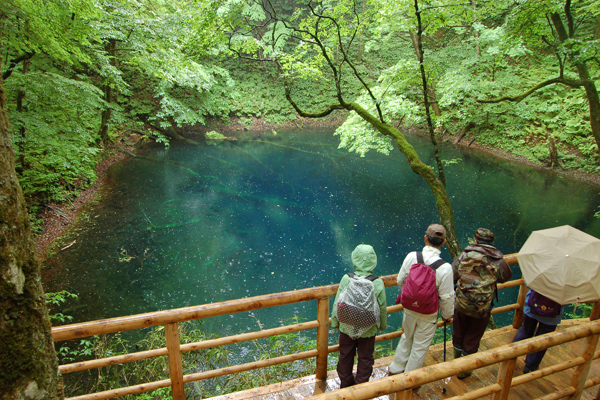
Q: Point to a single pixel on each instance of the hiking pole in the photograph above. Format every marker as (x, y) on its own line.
(445, 381)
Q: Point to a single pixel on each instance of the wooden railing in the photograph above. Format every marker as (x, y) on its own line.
(402, 385)
(171, 318)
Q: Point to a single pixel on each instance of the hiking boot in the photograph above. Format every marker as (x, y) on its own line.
(461, 353)
(458, 353)
(464, 375)
(527, 370)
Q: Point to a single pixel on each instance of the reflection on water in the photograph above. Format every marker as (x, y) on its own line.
(190, 225)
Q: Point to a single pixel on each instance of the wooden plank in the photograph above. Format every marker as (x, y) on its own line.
(545, 386)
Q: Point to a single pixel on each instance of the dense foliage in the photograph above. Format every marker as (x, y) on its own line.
(79, 74)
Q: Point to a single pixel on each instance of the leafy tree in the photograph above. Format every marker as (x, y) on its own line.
(29, 366)
(136, 65)
(318, 44)
(53, 110)
(565, 30)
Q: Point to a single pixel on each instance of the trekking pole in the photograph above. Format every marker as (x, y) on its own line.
(445, 380)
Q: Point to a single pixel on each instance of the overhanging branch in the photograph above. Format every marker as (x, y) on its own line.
(14, 62)
(565, 81)
(305, 114)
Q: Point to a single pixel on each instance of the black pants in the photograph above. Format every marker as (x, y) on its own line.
(530, 328)
(467, 332)
(349, 348)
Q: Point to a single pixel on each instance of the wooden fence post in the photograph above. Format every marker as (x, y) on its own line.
(518, 318)
(174, 354)
(582, 371)
(595, 314)
(322, 338)
(505, 374)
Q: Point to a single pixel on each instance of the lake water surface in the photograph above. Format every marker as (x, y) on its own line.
(189, 225)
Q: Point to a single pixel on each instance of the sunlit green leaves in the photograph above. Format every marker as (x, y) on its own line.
(60, 28)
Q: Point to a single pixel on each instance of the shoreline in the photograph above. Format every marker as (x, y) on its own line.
(59, 218)
(588, 178)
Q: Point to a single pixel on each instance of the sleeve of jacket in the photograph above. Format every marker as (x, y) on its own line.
(381, 299)
(504, 271)
(404, 270)
(446, 291)
(334, 320)
(455, 265)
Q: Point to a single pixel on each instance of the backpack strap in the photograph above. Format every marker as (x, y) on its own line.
(420, 257)
(435, 265)
(370, 277)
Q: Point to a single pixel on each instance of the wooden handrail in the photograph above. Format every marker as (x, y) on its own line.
(145, 320)
(205, 344)
(412, 379)
(138, 321)
(171, 318)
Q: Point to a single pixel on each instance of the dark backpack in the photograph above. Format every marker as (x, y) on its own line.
(357, 304)
(419, 292)
(542, 306)
(476, 285)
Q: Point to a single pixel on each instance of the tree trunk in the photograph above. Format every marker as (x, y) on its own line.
(442, 201)
(476, 33)
(111, 49)
(430, 89)
(584, 75)
(29, 366)
(22, 130)
(553, 153)
(361, 40)
(419, 48)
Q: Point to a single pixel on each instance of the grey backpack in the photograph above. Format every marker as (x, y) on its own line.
(357, 308)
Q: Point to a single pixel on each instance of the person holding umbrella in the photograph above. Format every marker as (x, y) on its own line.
(542, 315)
(561, 264)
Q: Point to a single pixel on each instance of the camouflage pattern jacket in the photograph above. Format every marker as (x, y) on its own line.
(476, 272)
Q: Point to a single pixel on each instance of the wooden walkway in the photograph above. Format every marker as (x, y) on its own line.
(305, 387)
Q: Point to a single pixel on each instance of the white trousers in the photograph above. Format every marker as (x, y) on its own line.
(414, 343)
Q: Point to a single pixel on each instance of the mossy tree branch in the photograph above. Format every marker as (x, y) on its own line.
(520, 97)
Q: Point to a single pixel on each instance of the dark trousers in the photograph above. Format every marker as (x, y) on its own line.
(467, 332)
(364, 347)
(530, 328)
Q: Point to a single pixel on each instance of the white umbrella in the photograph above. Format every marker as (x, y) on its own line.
(563, 264)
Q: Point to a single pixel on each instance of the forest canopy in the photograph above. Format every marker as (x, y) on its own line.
(80, 75)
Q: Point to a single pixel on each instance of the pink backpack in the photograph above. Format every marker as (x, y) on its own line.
(420, 290)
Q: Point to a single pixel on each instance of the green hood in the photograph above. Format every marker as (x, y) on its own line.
(364, 259)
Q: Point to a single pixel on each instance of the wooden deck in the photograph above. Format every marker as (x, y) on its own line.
(305, 387)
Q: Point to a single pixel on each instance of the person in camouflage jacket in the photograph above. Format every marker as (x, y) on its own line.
(476, 272)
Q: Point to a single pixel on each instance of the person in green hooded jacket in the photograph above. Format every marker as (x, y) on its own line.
(359, 342)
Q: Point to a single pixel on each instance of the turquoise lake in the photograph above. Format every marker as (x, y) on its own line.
(195, 224)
